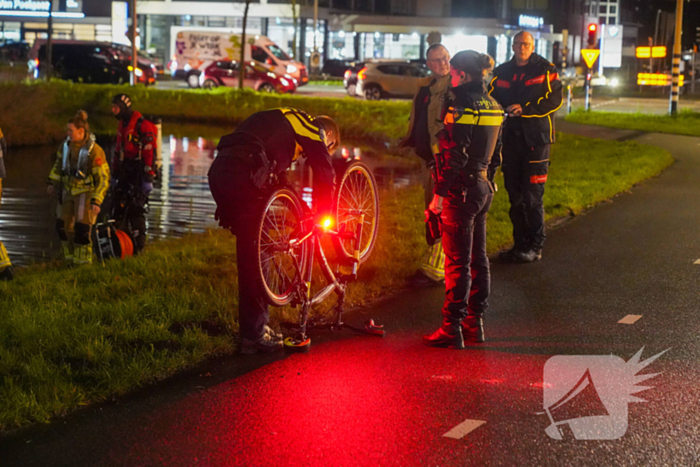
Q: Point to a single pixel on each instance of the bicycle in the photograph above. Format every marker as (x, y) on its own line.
(288, 242)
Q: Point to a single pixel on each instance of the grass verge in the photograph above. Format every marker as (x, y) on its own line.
(36, 112)
(72, 337)
(686, 123)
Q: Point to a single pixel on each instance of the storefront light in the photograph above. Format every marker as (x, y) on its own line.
(341, 34)
(415, 35)
(291, 30)
(42, 14)
(376, 35)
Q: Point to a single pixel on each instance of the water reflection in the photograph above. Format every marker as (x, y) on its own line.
(180, 203)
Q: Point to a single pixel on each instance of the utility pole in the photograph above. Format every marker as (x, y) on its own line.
(49, 43)
(134, 51)
(673, 107)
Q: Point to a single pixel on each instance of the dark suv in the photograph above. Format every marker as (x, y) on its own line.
(87, 63)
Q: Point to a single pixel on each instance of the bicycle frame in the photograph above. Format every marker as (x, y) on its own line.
(336, 282)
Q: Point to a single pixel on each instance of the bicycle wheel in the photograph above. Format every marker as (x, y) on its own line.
(357, 195)
(280, 223)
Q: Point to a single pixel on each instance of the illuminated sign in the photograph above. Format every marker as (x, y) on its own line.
(613, 31)
(590, 56)
(526, 21)
(24, 5)
(651, 52)
(39, 9)
(656, 79)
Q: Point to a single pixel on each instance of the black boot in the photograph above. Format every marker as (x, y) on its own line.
(449, 335)
(473, 329)
(7, 274)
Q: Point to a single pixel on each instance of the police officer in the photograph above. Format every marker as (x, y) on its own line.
(423, 128)
(133, 166)
(529, 89)
(469, 155)
(6, 273)
(265, 143)
(80, 176)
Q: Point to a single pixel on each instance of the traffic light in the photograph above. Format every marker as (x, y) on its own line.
(592, 34)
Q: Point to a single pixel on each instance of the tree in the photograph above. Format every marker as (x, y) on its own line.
(295, 23)
(242, 65)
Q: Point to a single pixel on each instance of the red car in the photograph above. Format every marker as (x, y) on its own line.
(257, 77)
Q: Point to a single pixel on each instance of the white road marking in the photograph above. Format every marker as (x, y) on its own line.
(630, 319)
(463, 429)
(697, 261)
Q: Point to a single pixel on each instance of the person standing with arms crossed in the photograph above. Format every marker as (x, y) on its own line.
(470, 152)
(529, 89)
(423, 128)
(6, 273)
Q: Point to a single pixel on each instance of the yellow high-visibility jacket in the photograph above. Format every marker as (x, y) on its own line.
(81, 167)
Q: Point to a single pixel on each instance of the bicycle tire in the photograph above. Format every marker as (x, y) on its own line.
(281, 221)
(357, 194)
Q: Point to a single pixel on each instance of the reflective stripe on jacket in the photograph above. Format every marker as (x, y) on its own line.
(471, 139)
(80, 168)
(537, 88)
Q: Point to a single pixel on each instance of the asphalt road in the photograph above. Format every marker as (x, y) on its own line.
(356, 400)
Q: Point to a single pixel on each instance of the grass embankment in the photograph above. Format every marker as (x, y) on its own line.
(686, 123)
(71, 337)
(36, 112)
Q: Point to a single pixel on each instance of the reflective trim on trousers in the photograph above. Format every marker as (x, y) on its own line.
(434, 263)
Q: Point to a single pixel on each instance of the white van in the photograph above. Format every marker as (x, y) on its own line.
(196, 49)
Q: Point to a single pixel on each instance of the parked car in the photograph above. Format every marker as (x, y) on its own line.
(145, 60)
(389, 79)
(81, 62)
(350, 78)
(336, 68)
(14, 52)
(225, 73)
(89, 62)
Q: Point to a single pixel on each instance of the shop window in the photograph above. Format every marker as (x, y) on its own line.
(603, 9)
(613, 9)
(601, 20)
(611, 20)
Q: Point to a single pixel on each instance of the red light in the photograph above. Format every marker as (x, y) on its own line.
(361, 73)
(592, 27)
(347, 74)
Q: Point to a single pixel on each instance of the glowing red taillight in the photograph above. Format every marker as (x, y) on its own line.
(361, 73)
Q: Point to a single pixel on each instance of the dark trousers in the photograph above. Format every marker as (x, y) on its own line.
(525, 173)
(130, 211)
(239, 209)
(467, 275)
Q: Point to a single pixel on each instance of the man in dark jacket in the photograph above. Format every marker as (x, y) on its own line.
(425, 124)
(265, 144)
(529, 89)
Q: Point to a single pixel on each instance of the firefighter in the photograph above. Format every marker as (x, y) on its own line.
(470, 148)
(80, 178)
(423, 128)
(266, 144)
(529, 89)
(134, 169)
(6, 273)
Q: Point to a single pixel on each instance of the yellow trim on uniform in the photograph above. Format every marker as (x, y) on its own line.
(549, 86)
(301, 126)
(491, 84)
(472, 117)
(537, 162)
(4, 257)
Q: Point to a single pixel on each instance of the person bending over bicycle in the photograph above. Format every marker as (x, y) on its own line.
(250, 162)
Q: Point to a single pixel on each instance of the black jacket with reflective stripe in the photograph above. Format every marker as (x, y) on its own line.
(538, 90)
(471, 139)
(286, 134)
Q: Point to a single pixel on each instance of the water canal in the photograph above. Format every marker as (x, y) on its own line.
(180, 203)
